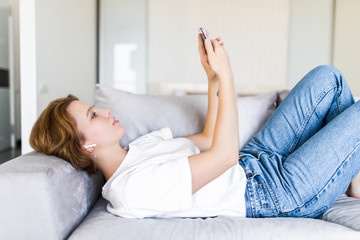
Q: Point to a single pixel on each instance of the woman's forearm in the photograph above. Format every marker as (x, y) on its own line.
(225, 139)
(223, 153)
(213, 87)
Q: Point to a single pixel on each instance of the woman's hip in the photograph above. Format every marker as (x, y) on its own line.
(269, 194)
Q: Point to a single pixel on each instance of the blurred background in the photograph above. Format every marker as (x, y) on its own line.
(49, 48)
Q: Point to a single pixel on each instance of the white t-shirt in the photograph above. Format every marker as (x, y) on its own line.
(154, 180)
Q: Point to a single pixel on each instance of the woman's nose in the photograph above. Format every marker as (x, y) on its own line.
(105, 113)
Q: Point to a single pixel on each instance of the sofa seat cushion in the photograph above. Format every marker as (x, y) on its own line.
(100, 224)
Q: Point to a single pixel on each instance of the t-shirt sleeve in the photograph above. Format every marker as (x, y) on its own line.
(156, 189)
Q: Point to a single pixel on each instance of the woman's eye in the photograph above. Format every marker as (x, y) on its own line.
(93, 115)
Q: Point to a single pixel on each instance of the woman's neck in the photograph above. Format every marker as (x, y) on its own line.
(109, 159)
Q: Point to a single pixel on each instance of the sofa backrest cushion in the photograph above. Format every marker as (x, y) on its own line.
(185, 115)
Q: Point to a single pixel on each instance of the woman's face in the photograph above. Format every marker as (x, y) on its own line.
(96, 125)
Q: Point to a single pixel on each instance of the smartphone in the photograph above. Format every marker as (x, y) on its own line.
(203, 33)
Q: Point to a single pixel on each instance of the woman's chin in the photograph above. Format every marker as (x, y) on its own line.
(121, 132)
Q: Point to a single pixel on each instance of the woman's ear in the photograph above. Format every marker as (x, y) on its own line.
(89, 148)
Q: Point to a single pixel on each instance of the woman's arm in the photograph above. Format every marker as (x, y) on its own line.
(224, 150)
(204, 139)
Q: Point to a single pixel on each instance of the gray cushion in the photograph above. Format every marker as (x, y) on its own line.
(44, 197)
(100, 224)
(185, 115)
(253, 112)
(345, 211)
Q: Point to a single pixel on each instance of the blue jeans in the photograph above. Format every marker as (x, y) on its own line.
(307, 153)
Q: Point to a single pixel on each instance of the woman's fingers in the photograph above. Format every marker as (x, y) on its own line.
(212, 46)
(215, 44)
(209, 47)
(219, 39)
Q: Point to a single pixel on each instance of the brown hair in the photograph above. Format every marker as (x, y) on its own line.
(55, 133)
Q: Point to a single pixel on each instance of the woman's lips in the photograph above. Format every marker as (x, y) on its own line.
(116, 121)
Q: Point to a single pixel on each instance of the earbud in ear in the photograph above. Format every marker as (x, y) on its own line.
(89, 146)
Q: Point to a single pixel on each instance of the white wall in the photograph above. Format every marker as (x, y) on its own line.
(123, 42)
(28, 70)
(310, 37)
(254, 31)
(347, 42)
(58, 55)
(65, 49)
(272, 44)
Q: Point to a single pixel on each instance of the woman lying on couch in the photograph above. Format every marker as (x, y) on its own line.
(303, 158)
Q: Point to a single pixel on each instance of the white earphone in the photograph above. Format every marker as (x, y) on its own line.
(89, 146)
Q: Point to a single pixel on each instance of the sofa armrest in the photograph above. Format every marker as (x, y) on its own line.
(44, 197)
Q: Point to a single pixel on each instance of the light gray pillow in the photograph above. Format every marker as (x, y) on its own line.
(253, 112)
(184, 115)
(345, 211)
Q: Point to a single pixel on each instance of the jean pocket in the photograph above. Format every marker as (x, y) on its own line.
(263, 204)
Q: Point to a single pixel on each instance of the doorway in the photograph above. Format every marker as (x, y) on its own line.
(9, 143)
(4, 76)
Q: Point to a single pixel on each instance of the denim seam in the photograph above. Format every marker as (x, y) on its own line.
(250, 194)
(327, 184)
(338, 101)
(308, 116)
(249, 191)
(259, 152)
(322, 210)
(338, 94)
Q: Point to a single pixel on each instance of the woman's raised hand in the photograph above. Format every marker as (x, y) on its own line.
(204, 57)
(218, 59)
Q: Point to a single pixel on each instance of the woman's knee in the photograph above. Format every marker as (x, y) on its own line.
(324, 69)
(329, 73)
(327, 76)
